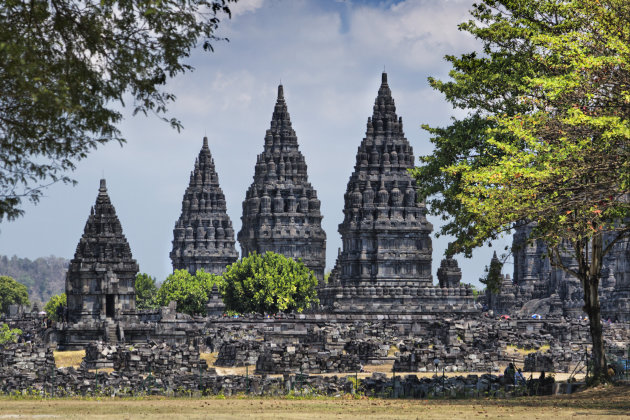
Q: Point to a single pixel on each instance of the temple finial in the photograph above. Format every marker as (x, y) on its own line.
(384, 77)
(280, 92)
(103, 187)
(205, 142)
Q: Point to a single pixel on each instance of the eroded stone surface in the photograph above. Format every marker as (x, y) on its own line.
(385, 262)
(203, 237)
(281, 211)
(100, 283)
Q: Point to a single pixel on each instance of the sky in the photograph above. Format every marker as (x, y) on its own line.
(329, 56)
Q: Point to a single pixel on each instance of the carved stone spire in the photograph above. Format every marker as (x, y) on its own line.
(449, 274)
(281, 209)
(203, 237)
(385, 234)
(100, 282)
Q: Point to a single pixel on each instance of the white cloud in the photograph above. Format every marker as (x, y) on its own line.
(245, 6)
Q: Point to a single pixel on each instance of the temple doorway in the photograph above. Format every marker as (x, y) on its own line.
(109, 306)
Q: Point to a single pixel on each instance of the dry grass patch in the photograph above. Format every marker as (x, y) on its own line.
(392, 351)
(515, 350)
(604, 403)
(241, 370)
(210, 358)
(71, 358)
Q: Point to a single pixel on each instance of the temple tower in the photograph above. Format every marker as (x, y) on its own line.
(100, 283)
(449, 274)
(281, 211)
(203, 237)
(385, 262)
(385, 234)
(536, 279)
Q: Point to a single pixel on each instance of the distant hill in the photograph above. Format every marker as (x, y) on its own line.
(44, 277)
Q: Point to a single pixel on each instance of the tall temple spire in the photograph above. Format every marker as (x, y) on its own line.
(203, 237)
(100, 279)
(385, 234)
(281, 209)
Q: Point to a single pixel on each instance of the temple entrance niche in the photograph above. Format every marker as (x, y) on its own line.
(109, 306)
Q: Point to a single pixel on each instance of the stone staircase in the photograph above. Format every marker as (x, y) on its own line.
(110, 332)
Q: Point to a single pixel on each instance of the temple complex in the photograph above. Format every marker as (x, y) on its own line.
(281, 211)
(203, 237)
(100, 279)
(385, 263)
(540, 288)
(379, 300)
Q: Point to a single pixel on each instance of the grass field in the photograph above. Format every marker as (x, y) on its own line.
(602, 403)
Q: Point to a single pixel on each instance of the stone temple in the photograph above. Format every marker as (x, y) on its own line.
(281, 211)
(538, 287)
(203, 237)
(100, 283)
(385, 263)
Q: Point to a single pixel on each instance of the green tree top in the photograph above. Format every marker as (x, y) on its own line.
(55, 306)
(493, 277)
(268, 283)
(191, 293)
(12, 293)
(146, 291)
(8, 335)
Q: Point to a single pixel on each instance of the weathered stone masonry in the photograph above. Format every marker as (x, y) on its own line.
(281, 211)
(203, 237)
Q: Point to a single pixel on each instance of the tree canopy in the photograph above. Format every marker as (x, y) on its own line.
(55, 306)
(191, 293)
(268, 283)
(12, 293)
(547, 137)
(65, 68)
(492, 279)
(146, 291)
(9, 335)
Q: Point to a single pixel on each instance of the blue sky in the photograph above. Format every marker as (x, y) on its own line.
(329, 56)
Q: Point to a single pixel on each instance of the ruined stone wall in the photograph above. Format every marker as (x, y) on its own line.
(155, 358)
(315, 344)
(298, 358)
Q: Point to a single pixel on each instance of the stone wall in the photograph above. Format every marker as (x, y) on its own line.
(315, 343)
(30, 369)
(294, 358)
(155, 358)
(238, 353)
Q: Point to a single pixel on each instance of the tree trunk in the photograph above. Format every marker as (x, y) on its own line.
(592, 309)
(591, 273)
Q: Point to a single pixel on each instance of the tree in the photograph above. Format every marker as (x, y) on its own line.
(8, 335)
(146, 291)
(493, 278)
(191, 293)
(268, 283)
(11, 293)
(547, 140)
(65, 66)
(55, 306)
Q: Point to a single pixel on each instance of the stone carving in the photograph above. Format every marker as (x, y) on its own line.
(449, 274)
(539, 287)
(100, 283)
(281, 211)
(386, 253)
(203, 237)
